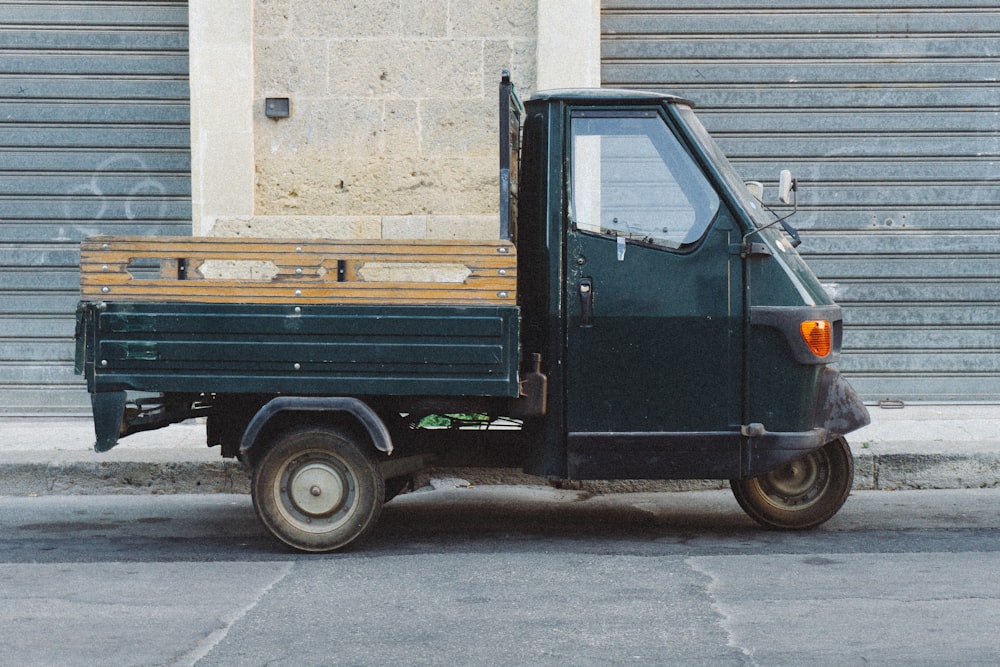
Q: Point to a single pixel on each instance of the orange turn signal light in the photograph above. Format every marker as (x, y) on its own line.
(818, 335)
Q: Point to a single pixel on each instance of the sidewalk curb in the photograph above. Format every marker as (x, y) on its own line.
(899, 471)
(123, 477)
(161, 472)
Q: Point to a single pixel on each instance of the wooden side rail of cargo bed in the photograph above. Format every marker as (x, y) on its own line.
(244, 270)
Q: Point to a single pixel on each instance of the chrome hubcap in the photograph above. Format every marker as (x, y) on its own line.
(316, 489)
(798, 484)
(316, 492)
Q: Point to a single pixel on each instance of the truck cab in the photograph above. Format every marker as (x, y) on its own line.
(692, 339)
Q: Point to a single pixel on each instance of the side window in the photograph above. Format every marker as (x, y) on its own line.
(630, 177)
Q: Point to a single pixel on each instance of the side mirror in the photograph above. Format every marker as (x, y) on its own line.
(786, 184)
(756, 189)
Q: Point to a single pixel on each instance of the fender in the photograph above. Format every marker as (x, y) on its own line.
(838, 411)
(375, 427)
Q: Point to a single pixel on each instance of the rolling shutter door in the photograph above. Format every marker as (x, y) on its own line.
(888, 113)
(94, 139)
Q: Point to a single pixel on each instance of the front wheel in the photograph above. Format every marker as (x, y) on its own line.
(802, 493)
(316, 490)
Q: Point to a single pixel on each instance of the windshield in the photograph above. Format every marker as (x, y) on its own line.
(631, 178)
(725, 168)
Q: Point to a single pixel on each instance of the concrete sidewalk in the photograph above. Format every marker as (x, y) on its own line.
(914, 447)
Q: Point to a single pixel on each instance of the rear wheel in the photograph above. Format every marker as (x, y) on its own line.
(802, 493)
(315, 489)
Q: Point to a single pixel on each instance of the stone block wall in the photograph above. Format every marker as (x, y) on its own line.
(393, 127)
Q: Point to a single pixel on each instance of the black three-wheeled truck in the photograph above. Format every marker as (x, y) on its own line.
(641, 316)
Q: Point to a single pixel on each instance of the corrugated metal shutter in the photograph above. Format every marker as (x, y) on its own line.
(94, 139)
(887, 112)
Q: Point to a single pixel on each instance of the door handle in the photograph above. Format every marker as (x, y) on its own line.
(586, 291)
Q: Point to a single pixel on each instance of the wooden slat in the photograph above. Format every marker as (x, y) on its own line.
(303, 271)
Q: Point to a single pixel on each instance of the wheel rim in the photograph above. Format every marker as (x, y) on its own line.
(316, 492)
(799, 484)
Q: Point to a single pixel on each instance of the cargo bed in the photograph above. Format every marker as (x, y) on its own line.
(189, 317)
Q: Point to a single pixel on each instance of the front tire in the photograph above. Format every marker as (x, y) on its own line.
(315, 489)
(802, 493)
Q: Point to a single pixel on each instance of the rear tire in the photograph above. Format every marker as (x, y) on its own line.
(802, 493)
(315, 489)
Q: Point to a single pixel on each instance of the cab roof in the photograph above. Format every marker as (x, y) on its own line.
(606, 95)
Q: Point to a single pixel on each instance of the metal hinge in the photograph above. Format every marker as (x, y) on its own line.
(750, 250)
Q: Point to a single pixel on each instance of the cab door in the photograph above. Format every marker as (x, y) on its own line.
(654, 309)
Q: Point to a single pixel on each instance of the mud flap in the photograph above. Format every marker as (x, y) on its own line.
(109, 410)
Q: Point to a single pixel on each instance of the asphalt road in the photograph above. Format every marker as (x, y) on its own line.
(503, 576)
